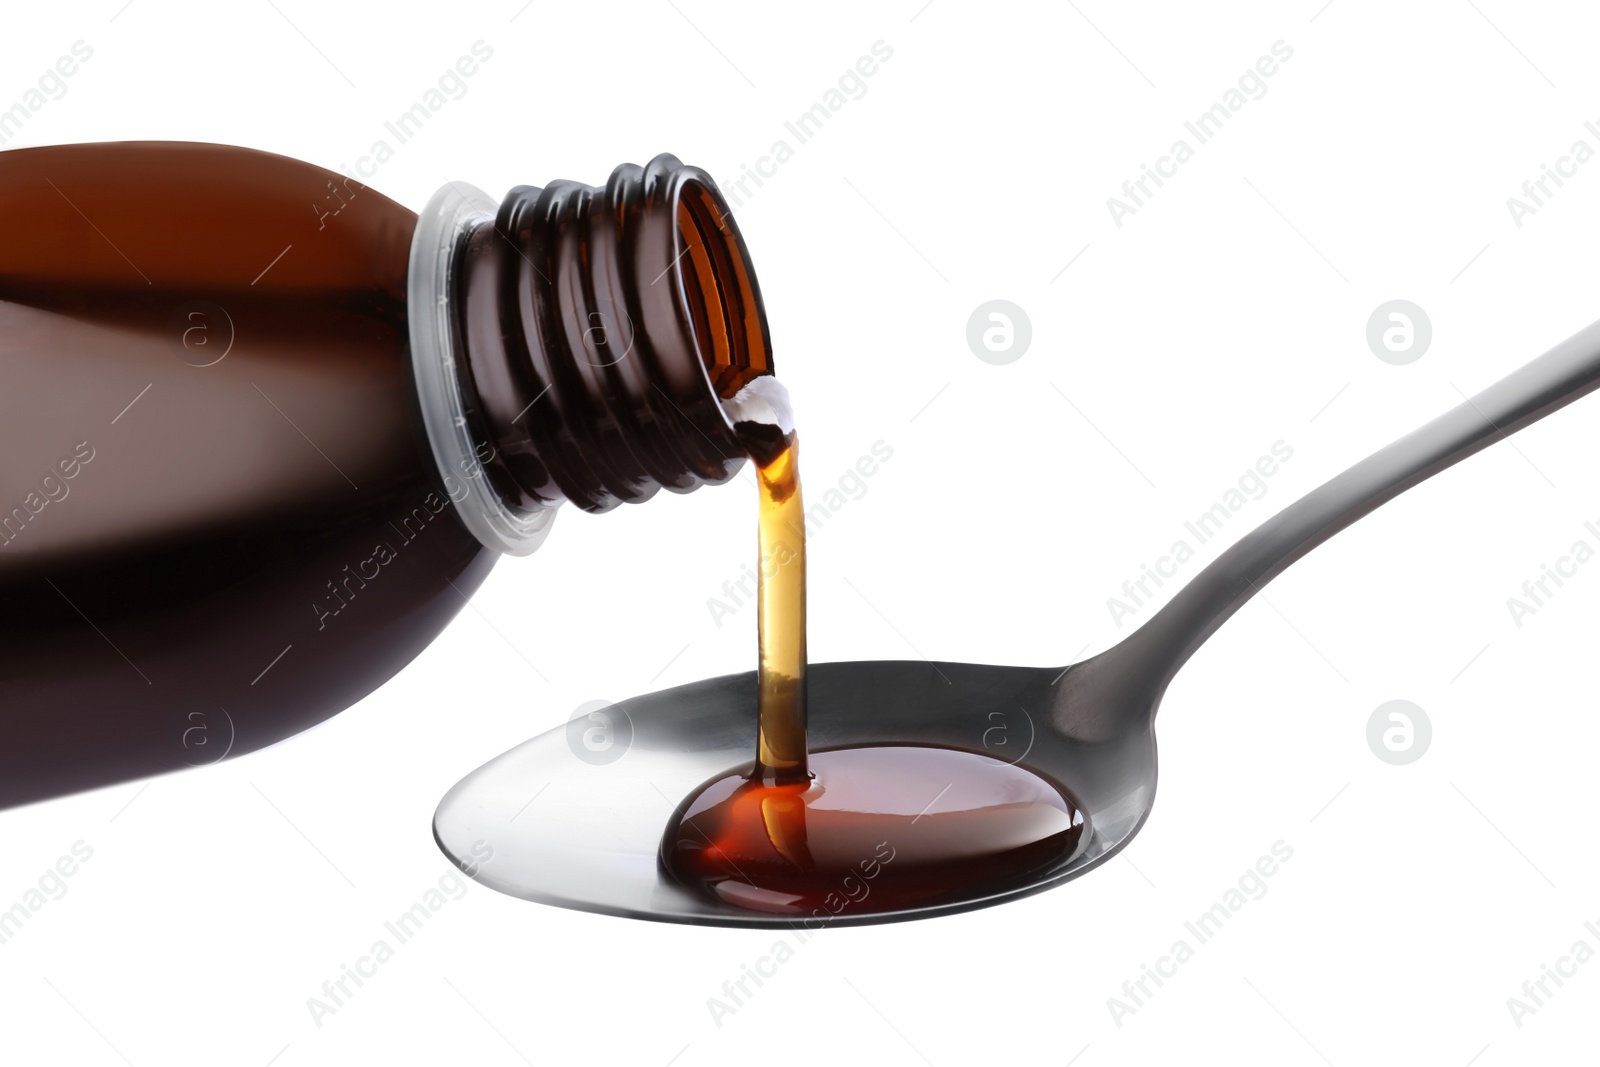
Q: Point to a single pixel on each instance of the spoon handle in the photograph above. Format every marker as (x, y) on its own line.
(1555, 379)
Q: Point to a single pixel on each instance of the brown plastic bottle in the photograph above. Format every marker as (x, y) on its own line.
(263, 430)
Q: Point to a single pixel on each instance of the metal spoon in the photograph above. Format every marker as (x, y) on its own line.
(565, 820)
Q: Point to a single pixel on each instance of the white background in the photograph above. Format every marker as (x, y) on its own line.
(1227, 314)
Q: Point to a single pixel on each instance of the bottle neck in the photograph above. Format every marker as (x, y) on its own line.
(575, 343)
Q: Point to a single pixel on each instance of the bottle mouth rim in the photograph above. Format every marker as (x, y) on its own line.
(712, 267)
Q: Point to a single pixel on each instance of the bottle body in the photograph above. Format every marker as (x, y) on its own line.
(263, 431)
(220, 520)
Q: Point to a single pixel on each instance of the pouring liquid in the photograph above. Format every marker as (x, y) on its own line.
(864, 829)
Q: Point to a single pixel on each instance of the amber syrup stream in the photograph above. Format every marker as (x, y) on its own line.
(861, 829)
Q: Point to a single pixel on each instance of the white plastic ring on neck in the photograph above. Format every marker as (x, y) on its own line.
(430, 306)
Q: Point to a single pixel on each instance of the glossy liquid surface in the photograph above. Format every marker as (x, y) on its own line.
(876, 829)
(866, 829)
(221, 521)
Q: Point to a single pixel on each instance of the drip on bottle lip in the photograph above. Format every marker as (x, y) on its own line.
(762, 400)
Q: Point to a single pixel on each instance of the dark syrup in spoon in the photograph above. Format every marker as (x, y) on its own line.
(867, 829)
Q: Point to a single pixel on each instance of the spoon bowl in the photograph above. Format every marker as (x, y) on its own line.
(555, 821)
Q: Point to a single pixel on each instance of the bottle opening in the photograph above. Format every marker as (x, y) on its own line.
(720, 295)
